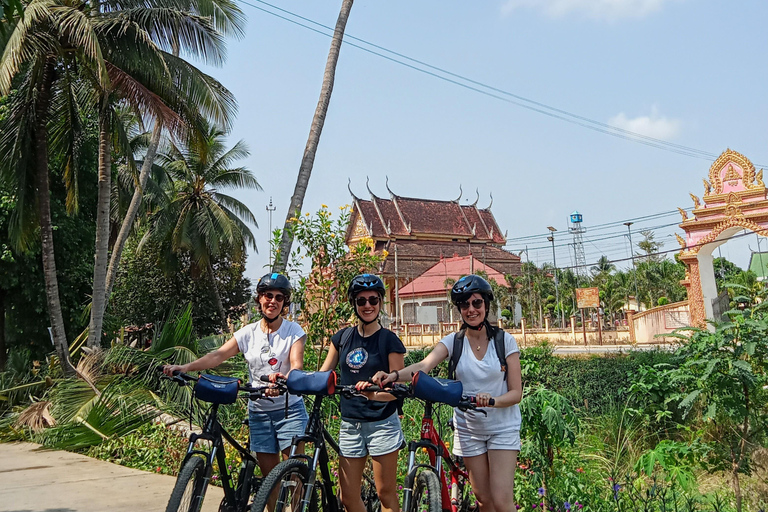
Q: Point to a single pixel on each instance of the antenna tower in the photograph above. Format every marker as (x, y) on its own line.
(577, 230)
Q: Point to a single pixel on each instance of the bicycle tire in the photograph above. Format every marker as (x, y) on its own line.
(464, 496)
(189, 490)
(426, 493)
(288, 478)
(368, 491)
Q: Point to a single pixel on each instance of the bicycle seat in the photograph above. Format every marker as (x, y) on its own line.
(437, 390)
(300, 382)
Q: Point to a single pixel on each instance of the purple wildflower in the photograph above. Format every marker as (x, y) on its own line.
(567, 506)
(541, 491)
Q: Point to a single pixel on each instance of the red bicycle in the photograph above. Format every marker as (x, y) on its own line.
(428, 487)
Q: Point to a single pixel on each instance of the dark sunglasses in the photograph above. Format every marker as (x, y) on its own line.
(360, 301)
(476, 303)
(279, 297)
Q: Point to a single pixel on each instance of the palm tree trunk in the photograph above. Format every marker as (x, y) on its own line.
(44, 212)
(308, 160)
(217, 298)
(3, 354)
(133, 209)
(102, 228)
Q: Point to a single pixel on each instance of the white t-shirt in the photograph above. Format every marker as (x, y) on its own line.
(268, 353)
(484, 376)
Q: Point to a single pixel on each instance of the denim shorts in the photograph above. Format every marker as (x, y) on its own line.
(374, 438)
(272, 432)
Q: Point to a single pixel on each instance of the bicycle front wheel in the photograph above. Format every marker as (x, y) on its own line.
(189, 491)
(368, 491)
(283, 489)
(426, 493)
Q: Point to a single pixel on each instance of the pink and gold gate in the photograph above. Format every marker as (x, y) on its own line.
(735, 198)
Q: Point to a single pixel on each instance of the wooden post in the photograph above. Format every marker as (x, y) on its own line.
(584, 326)
(522, 326)
(631, 326)
(599, 327)
(573, 328)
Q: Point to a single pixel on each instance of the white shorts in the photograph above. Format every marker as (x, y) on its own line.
(467, 444)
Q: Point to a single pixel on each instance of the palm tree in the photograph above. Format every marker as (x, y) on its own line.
(308, 160)
(198, 90)
(198, 219)
(129, 63)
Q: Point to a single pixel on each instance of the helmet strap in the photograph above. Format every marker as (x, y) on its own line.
(270, 320)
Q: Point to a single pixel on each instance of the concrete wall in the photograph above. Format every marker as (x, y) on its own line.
(649, 326)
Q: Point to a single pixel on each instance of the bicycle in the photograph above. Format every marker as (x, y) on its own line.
(426, 485)
(197, 467)
(292, 484)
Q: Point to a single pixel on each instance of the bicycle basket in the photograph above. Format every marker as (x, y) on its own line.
(437, 390)
(311, 383)
(216, 389)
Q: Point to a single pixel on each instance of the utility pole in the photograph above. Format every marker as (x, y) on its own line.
(551, 238)
(632, 253)
(270, 209)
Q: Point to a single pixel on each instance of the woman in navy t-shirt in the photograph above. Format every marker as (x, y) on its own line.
(368, 426)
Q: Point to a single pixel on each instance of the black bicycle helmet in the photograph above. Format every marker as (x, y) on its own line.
(464, 288)
(364, 283)
(277, 282)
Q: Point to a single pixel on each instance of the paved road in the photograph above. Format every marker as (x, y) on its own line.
(34, 480)
(606, 349)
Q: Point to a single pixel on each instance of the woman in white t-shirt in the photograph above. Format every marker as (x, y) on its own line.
(272, 346)
(488, 444)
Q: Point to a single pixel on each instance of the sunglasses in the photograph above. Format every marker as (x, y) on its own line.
(361, 301)
(278, 297)
(476, 303)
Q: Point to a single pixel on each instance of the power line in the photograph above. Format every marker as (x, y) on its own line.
(491, 91)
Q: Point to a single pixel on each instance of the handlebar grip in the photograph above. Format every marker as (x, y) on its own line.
(473, 401)
(264, 378)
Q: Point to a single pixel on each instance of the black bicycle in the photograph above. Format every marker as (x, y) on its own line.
(292, 485)
(197, 466)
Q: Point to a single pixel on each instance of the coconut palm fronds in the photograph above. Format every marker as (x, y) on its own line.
(36, 417)
(121, 409)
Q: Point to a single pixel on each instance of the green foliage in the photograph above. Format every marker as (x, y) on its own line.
(144, 293)
(322, 293)
(593, 384)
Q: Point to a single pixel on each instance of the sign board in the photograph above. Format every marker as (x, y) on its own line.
(426, 315)
(587, 298)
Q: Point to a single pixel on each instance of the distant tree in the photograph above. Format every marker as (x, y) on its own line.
(725, 272)
(649, 246)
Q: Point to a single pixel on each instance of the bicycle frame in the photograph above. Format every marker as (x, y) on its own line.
(438, 453)
(215, 434)
(316, 434)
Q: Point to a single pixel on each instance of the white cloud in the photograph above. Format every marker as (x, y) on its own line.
(609, 10)
(653, 125)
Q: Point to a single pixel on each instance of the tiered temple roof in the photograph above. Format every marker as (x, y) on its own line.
(422, 231)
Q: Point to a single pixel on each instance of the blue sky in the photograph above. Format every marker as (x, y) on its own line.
(690, 72)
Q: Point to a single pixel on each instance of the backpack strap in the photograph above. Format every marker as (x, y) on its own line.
(458, 347)
(498, 342)
(383, 351)
(346, 336)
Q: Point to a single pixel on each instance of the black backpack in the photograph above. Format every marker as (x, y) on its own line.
(458, 347)
(346, 336)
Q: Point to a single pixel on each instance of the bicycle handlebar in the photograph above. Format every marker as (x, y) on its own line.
(468, 402)
(181, 379)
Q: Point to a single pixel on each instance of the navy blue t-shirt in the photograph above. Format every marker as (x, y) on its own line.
(360, 359)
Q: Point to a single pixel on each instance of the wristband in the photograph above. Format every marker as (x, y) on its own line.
(397, 375)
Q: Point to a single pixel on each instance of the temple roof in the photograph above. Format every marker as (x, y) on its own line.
(432, 282)
(406, 217)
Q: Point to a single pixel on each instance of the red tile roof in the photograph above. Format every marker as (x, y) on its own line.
(416, 256)
(432, 282)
